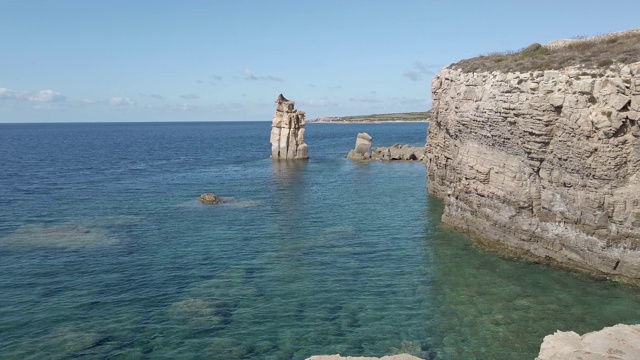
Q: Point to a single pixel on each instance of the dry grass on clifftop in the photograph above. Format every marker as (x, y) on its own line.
(597, 52)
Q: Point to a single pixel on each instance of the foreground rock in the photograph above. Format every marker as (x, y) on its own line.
(287, 132)
(388, 357)
(210, 199)
(398, 152)
(545, 162)
(620, 342)
(362, 152)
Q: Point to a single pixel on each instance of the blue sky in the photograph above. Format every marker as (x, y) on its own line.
(157, 60)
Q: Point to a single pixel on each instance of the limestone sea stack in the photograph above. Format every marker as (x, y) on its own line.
(287, 132)
(362, 152)
(546, 162)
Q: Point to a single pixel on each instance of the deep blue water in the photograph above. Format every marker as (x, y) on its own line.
(106, 253)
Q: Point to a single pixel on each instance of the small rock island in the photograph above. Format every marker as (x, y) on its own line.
(287, 132)
(210, 199)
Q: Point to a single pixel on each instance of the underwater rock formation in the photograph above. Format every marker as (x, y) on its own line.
(287, 132)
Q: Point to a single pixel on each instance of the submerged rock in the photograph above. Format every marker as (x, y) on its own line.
(210, 199)
(287, 132)
(621, 342)
(62, 236)
(363, 148)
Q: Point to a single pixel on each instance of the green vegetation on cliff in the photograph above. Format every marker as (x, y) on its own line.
(596, 52)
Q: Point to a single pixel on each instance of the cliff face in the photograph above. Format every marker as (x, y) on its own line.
(542, 161)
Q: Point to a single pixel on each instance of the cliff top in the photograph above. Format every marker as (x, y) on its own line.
(594, 52)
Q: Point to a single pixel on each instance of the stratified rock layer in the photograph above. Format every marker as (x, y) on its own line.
(287, 132)
(546, 161)
(620, 342)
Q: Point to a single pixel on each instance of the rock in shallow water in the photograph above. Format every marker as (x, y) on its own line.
(210, 199)
(362, 152)
(621, 342)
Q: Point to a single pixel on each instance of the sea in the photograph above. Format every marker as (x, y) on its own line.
(106, 253)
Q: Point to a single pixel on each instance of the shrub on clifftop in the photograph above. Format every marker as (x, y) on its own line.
(599, 52)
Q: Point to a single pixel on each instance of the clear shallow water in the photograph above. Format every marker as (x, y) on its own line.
(105, 253)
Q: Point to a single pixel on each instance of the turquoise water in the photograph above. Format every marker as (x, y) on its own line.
(105, 253)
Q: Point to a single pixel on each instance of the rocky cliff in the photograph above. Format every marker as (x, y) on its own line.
(543, 161)
(619, 342)
(287, 132)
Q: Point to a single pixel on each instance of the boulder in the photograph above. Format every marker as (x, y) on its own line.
(398, 152)
(362, 151)
(619, 342)
(210, 199)
(287, 132)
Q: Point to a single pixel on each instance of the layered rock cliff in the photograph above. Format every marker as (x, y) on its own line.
(546, 162)
(287, 132)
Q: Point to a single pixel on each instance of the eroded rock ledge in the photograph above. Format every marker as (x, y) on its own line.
(621, 342)
(388, 357)
(547, 162)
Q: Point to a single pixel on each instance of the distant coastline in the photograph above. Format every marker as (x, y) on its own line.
(376, 118)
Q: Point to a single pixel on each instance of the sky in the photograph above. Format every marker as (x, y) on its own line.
(219, 60)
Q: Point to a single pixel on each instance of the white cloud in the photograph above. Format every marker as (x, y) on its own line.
(419, 70)
(120, 101)
(320, 103)
(190, 96)
(40, 96)
(366, 99)
(248, 75)
(46, 96)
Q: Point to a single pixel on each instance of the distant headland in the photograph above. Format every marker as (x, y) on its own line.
(424, 116)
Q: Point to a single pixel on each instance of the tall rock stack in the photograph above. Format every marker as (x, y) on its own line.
(287, 132)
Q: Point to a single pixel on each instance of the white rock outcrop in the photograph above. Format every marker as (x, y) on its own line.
(388, 357)
(619, 342)
(545, 162)
(287, 132)
(398, 152)
(362, 152)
